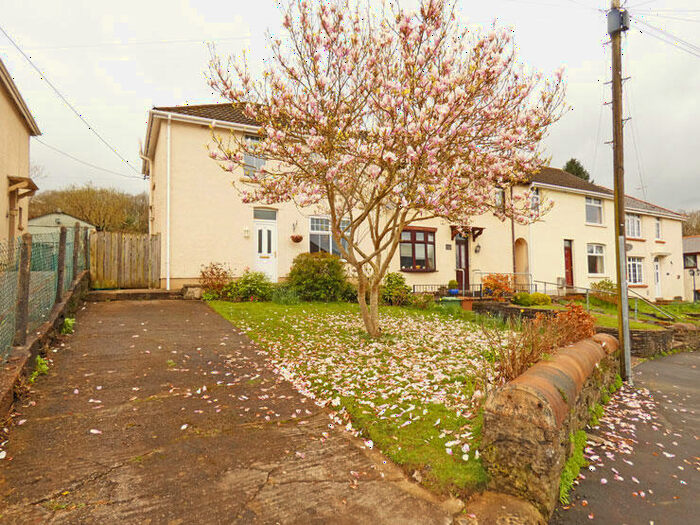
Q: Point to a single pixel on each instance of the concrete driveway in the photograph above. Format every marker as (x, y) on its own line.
(161, 412)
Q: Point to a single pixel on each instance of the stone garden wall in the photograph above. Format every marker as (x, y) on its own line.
(528, 423)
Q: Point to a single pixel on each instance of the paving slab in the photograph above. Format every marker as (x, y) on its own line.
(657, 483)
(162, 412)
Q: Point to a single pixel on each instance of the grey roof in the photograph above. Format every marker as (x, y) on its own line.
(561, 178)
(691, 244)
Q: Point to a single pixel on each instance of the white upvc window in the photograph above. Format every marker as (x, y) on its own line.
(634, 270)
(594, 210)
(499, 198)
(596, 258)
(657, 228)
(633, 225)
(321, 237)
(535, 199)
(251, 163)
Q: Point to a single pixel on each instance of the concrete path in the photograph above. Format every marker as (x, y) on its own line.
(161, 412)
(658, 482)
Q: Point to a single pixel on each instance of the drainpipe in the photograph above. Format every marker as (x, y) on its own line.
(512, 233)
(167, 208)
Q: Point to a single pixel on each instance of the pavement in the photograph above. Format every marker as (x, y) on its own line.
(162, 412)
(646, 466)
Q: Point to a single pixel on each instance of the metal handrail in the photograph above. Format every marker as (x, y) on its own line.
(589, 290)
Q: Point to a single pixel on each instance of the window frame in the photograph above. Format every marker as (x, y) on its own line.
(334, 249)
(251, 163)
(499, 199)
(596, 203)
(600, 255)
(695, 261)
(535, 199)
(638, 264)
(633, 219)
(657, 229)
(428, 241)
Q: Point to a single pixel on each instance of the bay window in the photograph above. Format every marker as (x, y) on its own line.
(417, 250)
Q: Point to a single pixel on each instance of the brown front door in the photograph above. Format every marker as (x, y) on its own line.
(568, 263)
(462, 261)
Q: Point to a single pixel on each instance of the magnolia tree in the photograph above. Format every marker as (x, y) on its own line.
(385, 118)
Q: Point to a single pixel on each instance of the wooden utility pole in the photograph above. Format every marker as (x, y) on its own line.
(618, 21)
(25, 272)
(61, 268)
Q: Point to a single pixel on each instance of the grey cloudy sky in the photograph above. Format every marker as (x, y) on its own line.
(115, 60)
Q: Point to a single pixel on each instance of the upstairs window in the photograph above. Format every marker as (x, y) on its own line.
(499, 199)
(594, 210)
(596, 255)
(321, 237)
(251, 163)
(657, 229)
(535, 199)
(417, 250)
(633, 225)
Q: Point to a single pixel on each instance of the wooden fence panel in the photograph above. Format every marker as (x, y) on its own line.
(124, 260)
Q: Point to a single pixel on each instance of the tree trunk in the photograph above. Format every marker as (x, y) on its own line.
(370, 313)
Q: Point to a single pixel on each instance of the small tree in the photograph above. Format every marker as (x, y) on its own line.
(691, 226)
(385, 118)
(574, 167)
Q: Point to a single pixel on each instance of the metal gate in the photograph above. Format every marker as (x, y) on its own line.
(124, 260)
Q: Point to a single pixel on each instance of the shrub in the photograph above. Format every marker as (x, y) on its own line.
(573, 324)
(540, 299)
(523, 299)
(605, 290)
(318, 277)
(497, 285)
(423, 301)
(453, 285)
(213, 278)
(251, 286)
(285, 294)
(349, 293)
(517, 351)
(395, 291)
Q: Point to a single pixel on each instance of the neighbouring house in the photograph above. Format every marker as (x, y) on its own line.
(691, 258)
(16, 127)
(201, 219)
(52, 222)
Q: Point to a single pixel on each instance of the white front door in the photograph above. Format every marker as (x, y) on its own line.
(657, 276)
(266, 248)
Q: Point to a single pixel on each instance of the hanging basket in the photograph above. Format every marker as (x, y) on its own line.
(297, 238)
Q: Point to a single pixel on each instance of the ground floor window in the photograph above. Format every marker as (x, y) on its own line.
(596, 254)
(321, 238)
(417, 250)
(634, 270)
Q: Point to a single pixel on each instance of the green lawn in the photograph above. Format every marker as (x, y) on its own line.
(414, 393)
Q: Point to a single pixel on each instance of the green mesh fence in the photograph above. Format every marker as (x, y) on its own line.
(9, 263)
(43, 281)
(68, 276)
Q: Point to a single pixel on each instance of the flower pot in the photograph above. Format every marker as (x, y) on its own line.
(297, 238)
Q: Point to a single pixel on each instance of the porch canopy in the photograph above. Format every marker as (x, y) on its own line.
(474, 231)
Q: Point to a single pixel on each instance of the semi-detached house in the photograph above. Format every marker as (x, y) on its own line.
(201, 219)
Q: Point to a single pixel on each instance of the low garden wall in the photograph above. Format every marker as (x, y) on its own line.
(508, 311)
(529, 423)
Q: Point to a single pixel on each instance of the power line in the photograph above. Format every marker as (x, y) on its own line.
(142, 43)
(76, 159)
(65, 101)
(669, 34)
(671, 17)
(670, 42)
